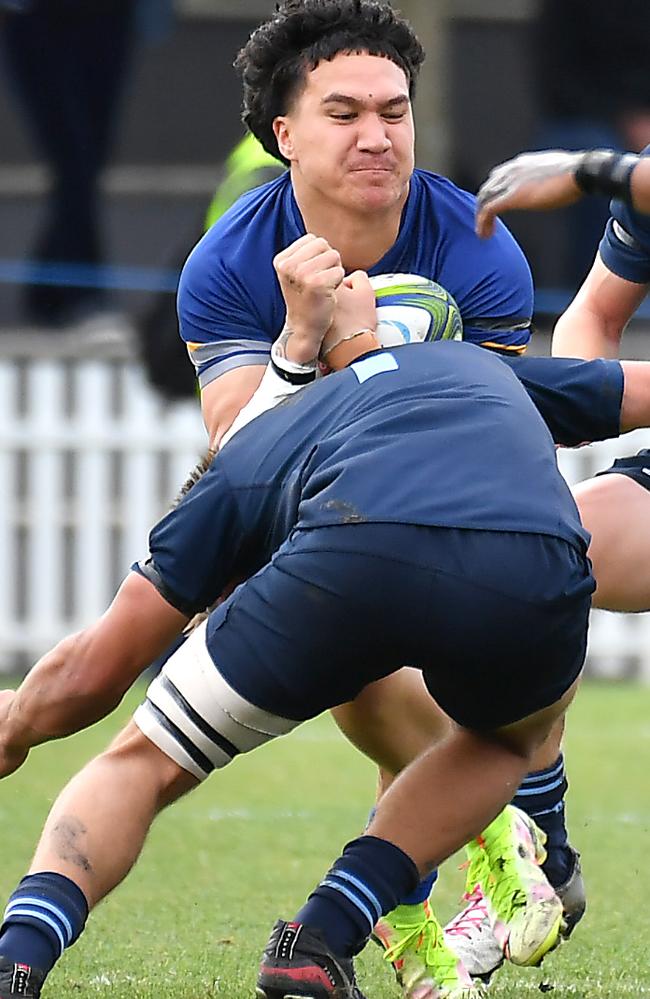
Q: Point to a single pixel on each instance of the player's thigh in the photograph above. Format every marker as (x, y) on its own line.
(393, 720)
(510, 638)
(336, 609)
(194, 716)
(297, 638)
(527, 736)
(615, 509)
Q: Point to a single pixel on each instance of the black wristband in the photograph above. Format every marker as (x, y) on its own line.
(604, 171)
(293, 377)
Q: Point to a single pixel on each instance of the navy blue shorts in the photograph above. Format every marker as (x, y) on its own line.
(635, 466)
(496, 621)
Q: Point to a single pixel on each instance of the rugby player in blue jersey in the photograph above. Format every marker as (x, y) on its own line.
(328, 86)
(385, 477)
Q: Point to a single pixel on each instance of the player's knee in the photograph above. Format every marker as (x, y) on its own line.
(392, 721)
(547, 752)
(529, 736)
(369, 711)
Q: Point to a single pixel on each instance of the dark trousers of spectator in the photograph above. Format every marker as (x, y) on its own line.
(67, 67)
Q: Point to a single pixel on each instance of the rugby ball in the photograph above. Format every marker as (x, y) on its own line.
(412, 309)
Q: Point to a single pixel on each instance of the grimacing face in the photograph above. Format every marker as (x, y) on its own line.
(349, 136)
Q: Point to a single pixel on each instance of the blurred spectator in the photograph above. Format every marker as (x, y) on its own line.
(67, 60)
(163, 353)
(593, 80)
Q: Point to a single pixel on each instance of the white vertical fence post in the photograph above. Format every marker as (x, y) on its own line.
(43, 510)
(70, 426)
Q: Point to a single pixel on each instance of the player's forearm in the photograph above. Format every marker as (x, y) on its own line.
(581, 332)
(85, 676)
(62, 694)
(624, 176)
(298, 346)
(635, 408)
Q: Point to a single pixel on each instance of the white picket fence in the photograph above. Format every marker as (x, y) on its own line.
(90, 457)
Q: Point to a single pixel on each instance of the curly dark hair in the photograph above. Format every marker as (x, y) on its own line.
(282, 50)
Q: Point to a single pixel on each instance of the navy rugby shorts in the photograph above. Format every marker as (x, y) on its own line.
(496, 621)
(635, 466)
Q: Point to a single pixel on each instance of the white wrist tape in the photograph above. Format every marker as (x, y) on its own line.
(271, 390)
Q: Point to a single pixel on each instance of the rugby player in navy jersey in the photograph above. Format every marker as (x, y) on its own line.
(387, 477)
(328, 86)
(614, 506)
(593, 326)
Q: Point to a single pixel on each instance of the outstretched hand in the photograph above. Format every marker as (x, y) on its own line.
(531, 181)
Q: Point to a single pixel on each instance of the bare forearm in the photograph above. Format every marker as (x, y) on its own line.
(579, 332)
(595, 321)
(300, 346)
(635, 410)
(56, 698)
(84, 677)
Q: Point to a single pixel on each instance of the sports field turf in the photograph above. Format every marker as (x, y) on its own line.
(223, 864)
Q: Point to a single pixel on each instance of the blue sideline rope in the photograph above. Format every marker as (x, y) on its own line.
(548, 301)
(101, 276)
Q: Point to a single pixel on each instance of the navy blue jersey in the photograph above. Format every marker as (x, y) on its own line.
(229, 302)
(440, 434)
(625, 246)
(580, 401)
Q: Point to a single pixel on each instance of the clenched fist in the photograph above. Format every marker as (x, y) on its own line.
(309, 272)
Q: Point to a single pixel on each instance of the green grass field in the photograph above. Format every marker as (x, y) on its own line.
(223, 864)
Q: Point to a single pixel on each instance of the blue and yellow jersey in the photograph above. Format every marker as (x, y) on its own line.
(231, 309)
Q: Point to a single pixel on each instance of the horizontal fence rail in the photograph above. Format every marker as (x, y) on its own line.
(91, 457)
